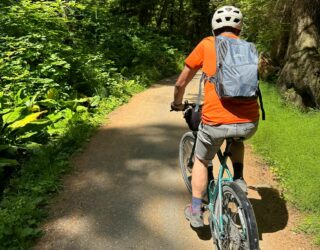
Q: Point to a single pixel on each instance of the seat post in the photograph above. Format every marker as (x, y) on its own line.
(227, 152)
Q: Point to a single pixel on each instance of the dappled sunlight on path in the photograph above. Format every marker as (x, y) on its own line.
(126, 190)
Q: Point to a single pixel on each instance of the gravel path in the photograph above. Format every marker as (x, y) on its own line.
(126, 190)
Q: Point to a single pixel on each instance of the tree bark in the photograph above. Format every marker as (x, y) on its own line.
(163, 11)
(180, 11)
(171, 17)
(301, 72)
(280, 44)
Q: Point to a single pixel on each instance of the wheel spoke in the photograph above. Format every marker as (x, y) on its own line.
(234, 224)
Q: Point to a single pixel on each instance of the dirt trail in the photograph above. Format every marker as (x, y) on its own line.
(126, 191)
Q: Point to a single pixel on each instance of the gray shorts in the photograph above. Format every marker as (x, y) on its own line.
(210, 138)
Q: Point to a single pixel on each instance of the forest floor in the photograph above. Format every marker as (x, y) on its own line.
(126, 189)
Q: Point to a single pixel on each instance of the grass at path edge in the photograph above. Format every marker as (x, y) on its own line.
(289, 141)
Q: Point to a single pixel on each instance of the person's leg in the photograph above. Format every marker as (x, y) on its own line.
(245, 130)
(193, 211)
(206, 148)
(237, 157)
(199, 178)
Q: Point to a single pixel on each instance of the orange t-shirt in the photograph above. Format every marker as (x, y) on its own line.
(216, 111)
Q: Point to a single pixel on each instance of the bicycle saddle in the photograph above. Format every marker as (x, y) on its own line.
(236, 139)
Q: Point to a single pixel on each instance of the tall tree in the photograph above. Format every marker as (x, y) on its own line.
(301, 71)
(164, 8)
(280, 39)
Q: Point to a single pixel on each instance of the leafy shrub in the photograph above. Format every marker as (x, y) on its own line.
(57, 61)
(60, 69)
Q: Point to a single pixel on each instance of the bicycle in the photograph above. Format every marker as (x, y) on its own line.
(231, 216)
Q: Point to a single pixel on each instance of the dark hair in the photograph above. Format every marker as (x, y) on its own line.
(235, 31)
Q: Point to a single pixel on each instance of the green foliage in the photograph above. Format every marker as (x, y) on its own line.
(189, 18)
(311, 225)
(288, 140)
(262, 21)
(7, 162)
(59, 58)
(62, 65)
(22, 207)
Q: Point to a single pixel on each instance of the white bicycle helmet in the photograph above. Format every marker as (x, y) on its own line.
(227, 16)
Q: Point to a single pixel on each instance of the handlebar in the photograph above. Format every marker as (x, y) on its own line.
(186, 106)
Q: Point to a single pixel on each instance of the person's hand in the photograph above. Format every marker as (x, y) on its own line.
(175, 107)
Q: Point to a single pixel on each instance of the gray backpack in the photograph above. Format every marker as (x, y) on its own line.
(237, 70)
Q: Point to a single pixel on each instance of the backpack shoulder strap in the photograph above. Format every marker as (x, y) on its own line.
(263, 113)
(213, 79)
(202, 79)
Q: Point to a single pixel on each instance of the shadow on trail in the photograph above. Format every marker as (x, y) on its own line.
(270, 211)
(126, 190)
(204, 233)
(123, 170)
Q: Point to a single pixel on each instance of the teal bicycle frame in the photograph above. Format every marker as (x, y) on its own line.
(215, 190)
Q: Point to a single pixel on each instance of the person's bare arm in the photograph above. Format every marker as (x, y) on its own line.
(185, 77)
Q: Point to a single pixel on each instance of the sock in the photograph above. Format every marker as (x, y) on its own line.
(238, 171)
(196, 205)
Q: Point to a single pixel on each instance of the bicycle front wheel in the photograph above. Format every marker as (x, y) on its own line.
(240, 229)
(186, 157)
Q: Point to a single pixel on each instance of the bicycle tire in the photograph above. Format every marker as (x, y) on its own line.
(244, 216)
(212, 229)
(185, 152)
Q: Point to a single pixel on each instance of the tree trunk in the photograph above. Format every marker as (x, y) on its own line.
(300, 76)
(162, 13)
(171, 17)
(280, 44)
(146, 9)
(180, 11)
(200, 19)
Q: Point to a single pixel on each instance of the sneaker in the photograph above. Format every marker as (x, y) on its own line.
(242, 184)
(196, 219)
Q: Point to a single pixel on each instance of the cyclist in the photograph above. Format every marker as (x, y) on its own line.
(220, 118)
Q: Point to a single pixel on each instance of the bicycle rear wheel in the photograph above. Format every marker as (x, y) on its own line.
(240, 229)
(186, 157)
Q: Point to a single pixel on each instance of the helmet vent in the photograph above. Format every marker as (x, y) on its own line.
(228, 18)
(228, 9)
(220, 11)
(236, 20)
(236, 11)
(219, 20)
